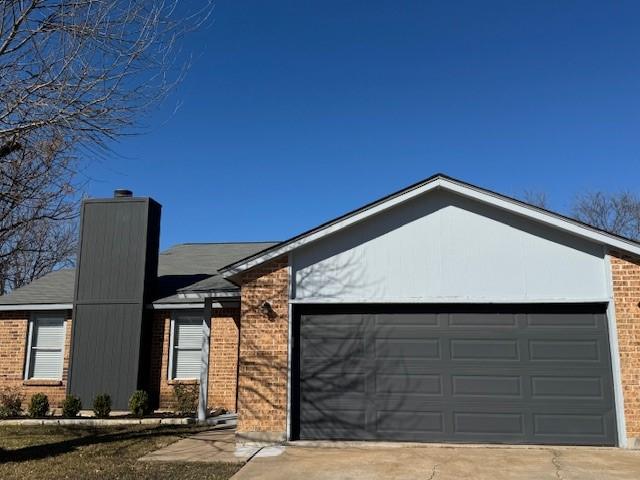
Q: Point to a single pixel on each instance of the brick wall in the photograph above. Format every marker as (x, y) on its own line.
(626, 292)
(14, 328)
(262, 374)
(223, 359)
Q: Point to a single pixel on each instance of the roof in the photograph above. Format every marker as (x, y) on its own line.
(180, 268)
(193, 267)
(437, 181)
(54, 288)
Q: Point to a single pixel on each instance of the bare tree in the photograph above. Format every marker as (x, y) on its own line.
(38, 205)
(85, 69)
(74, 74)
(617, 213)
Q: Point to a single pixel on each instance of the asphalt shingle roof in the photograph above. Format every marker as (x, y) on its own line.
(194, 267)
(188, 267)
(54, 287)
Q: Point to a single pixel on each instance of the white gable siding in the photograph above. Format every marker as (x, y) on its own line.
(446, 247)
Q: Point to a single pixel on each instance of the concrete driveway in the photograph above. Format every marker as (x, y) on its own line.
(394, 462)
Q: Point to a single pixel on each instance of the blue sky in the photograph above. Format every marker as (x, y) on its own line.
(296, 112)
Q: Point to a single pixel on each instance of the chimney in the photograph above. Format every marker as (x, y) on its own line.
(122, 193)
(116, 269)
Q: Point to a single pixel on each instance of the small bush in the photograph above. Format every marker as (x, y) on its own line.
(102, 405)
(186, 396)
(139, 403)
(10, 402)
(71, 406)
(38, 405)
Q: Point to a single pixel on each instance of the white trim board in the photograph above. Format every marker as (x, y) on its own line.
(485, 196)
(618, 391)
(190, 306)
(36, 306)
(208, 295)
(445, 300)
(289, 349)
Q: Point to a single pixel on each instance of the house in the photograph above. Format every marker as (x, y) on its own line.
(443, 312)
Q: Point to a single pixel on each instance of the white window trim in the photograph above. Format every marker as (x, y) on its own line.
(175, 315)
(27, 363)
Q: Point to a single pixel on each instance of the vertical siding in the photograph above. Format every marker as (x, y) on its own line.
(112, 277)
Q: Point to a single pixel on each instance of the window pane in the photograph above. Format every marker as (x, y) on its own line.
(187, 364)
(47, 345)
(188, 333)
(46, 364)
(48, 333)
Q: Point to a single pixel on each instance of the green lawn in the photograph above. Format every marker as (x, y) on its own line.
(60, 452)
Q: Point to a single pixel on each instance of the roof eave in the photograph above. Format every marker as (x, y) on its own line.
(209, 294)
(35, 306)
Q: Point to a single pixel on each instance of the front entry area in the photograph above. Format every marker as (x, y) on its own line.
(532, 374)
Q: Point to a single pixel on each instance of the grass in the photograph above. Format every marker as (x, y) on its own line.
(72, 452)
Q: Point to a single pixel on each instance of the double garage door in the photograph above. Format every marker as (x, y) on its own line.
(504, 374)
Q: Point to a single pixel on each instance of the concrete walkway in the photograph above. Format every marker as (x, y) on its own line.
(350, 462)
(216, 445)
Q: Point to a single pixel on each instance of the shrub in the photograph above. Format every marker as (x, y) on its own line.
(10, 402)
(71, 406)
(139, 403)
(38, 405)
(102, 405)
(186, 398)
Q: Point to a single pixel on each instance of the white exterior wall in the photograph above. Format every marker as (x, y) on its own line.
(443, 247)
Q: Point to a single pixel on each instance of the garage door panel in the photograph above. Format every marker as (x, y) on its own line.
(568, 387)
(497, 386)
(488, 423)
(484, 349)
(569, 424)
(426, 384)
(485, 320)
(557, 351)
(395, 422)
(336, 423)
(334, 331)
(407, 332)
(342, 347)
(408, 348)
(339, 382)
(413, 403)
(421, 320)
(327, 321)
(327, 402)
(573, 321)
(518, 375)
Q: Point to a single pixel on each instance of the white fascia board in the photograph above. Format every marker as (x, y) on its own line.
(174, 306)
(190, 295)
(36, 306)
(441, 300)
(190, 306)
(477, 193)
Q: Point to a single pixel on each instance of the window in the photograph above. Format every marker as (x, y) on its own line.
(46, 347)
(186, 346)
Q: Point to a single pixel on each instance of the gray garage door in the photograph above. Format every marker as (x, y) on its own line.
(537, 374)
